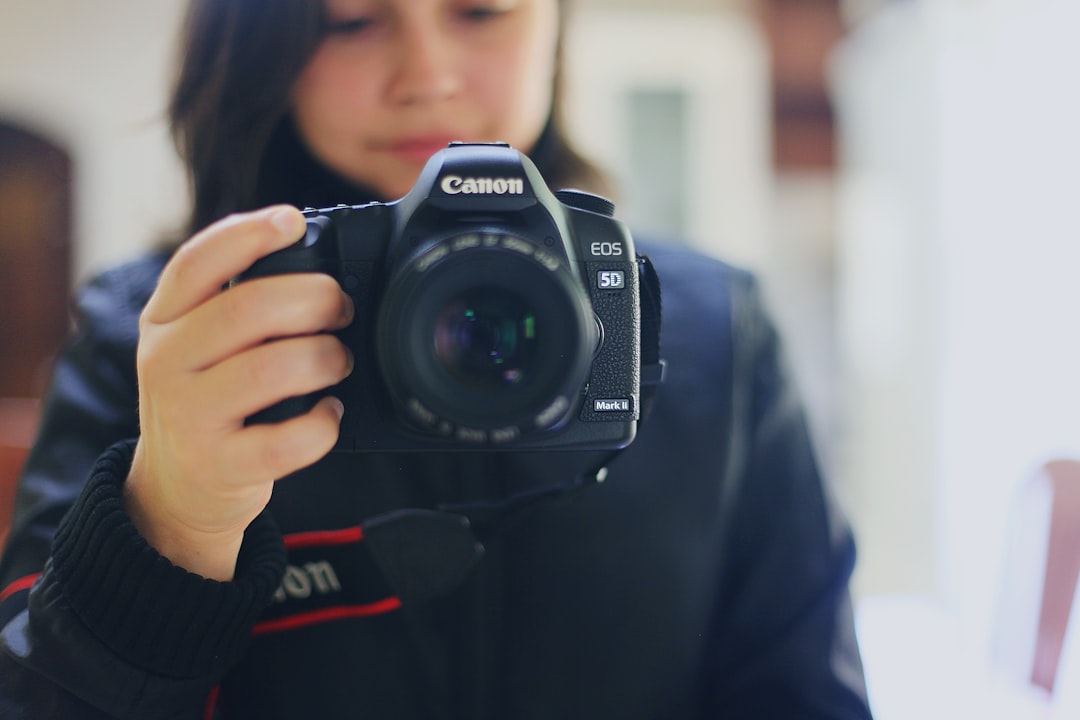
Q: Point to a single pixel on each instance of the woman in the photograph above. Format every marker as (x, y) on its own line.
(214, 567)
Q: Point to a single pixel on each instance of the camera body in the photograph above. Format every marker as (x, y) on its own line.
(491, 314)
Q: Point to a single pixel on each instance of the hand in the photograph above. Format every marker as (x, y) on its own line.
(208, 359)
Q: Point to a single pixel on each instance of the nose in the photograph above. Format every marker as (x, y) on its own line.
(427, 65)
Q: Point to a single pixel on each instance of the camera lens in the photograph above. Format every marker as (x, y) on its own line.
(486, 332)
(486, 338)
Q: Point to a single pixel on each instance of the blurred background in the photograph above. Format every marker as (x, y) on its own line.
(902, 174)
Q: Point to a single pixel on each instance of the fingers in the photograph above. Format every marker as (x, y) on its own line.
(253, 312)
(207, 360)
(280, 449)
(206, 262)
(251, 381)
(198, 520)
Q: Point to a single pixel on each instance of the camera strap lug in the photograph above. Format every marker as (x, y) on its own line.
(653, 367)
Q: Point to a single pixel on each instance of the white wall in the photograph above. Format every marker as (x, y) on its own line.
(718, 60)
(93, 78)
(961, 249)
(888, 291)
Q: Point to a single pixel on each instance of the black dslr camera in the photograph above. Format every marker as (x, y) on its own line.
(491, 314)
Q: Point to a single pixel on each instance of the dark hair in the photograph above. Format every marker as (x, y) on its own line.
(238, 62)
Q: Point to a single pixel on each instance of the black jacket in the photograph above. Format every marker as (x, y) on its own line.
(706, 577)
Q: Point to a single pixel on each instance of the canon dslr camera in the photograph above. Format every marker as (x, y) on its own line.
(490, 313)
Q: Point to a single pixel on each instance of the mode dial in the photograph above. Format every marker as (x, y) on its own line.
(581, 200)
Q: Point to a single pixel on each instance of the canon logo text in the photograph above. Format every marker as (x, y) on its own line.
(457, 185)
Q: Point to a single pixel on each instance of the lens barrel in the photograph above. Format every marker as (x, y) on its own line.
(486, 332)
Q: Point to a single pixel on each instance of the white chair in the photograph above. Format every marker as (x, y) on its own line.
(1040, 576)
(1066, 701)
(917, 663)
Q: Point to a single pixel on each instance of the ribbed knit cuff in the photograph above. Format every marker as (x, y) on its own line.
(148, 611)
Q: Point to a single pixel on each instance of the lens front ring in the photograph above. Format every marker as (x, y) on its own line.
(488, 337)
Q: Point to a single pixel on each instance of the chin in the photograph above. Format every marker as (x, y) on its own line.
(397, 190)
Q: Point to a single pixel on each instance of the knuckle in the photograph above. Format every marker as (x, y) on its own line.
(321, 434)
(231, 220)
(288, 452)
(325, 298)
(265, 367)
(331, 305)
(275, 457)
(237, 305)
(344, 359)
(186, 259)
(333, 357)
(145, 323)
(324, 441)
(148, 357)
(298, 442)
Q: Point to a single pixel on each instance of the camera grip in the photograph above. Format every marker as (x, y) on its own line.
(286, 409)
(314, 252)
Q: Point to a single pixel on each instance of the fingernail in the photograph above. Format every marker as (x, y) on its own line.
(348, 311)
(289, 222)
(339, 408)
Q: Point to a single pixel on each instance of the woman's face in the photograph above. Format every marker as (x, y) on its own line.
(396, 80)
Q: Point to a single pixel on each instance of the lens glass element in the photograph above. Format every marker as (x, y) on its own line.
(486, 338)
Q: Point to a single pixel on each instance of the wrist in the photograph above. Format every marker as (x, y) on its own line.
(145, 609)
(211, 555)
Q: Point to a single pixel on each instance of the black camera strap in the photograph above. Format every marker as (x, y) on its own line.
(428, 553)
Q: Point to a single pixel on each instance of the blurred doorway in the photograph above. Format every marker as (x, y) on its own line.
(35, 272)
(35, 258)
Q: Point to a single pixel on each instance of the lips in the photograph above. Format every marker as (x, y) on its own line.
(417, 150)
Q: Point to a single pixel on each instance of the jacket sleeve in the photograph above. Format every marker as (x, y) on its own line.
(93, 622)
(783, 644)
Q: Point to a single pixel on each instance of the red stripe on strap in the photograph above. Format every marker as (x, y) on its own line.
(20, 584)
(342, 612)
(211, 703)
(324, 537)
